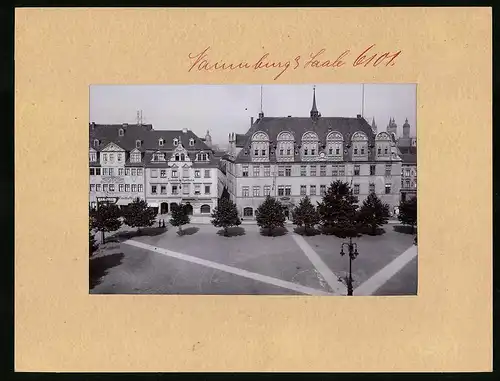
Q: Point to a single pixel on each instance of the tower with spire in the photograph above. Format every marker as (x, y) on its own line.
(392, 127)
(208, 139)
(374, 126)
(314, 110)
(406, 129)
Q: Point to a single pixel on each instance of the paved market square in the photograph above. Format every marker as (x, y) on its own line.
(202, 261)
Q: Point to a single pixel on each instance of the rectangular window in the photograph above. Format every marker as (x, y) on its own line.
(185, 188)
(385, 151)
(281, 151)
(104, 187)
(256, 171)
(288, 190)
(105, 171)
(388, 170)
(174, 173)
(127, 187)
(281, 190)
(111, 157)
(303, 170)
(322, 170)
(330, 151)
(335, 170)
(134, 188)
(313, 151)
(256, 153)
(245, 192)
(119, 157)
(163, 189)
(98, 171)
(163, 173)
(387, 188)
(281, 171)
(245, 171)
(197, 173)
(407, 183)
(288, 171)
(120, 171)
(207, 173)
(185, 173)
(197, 189)
(288, 151)
(372, 169)
(207, 189)
(356, 151)
(263, 152)
(256, 191)
(312, 170)
(379, 151)
(127, 171)
(111, 187)
(312, 190)
(362, 151)
(267, 171)
(92, 172)
(337, 151)
(372, 188)
(139, 188)
(407, 172)
(303, 190)
(139, 171)
(356, 170)
(322, 190)
(305, 152)
(120, 187)
(356, 188)
(133, 171)
(98, 187)
(92, 187)
(341, 170)
(104, 157)
(267, 190)
(111, 171)
(153, 188)
(175, 189)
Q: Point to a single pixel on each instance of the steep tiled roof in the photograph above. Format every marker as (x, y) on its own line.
(409, 158)
(407, 149)
(107, 133)
(300, 125)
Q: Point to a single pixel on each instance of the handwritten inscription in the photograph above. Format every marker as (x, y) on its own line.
(204, 61)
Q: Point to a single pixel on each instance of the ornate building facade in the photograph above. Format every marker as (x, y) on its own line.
(163, 167)
(291, 157)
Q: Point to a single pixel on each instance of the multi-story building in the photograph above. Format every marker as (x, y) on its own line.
(291, 157)
(163, 167)
(408, 172)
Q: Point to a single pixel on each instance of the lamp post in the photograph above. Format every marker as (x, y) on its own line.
(352, 249)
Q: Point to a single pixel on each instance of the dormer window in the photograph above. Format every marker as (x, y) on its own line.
(121, 132)
(158, 156)
(191, 142)
(202, 156)
(137, 144)
(135, 157)
(176, 142)
(93, 156)
(160, 142)
(96, 142)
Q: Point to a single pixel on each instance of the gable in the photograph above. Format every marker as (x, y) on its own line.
(285, 135)
(359, 136)
(259, 135)
(310, 136)
(112, 147)
(383, 136)
(334, 135)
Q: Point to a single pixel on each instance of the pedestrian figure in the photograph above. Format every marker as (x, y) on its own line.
(163, 223)
(159, 223)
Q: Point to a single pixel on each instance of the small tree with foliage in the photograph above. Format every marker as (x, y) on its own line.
(270, 215)
(92, 241)
(373, 213)
(179, 217)
(137, 214)
(305, 214)
(106, 218)
(225, 215)
(408, 212)
(337, 210)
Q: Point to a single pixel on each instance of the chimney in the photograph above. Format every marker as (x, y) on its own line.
(358, 116)
(125, 124)
(251, 121)
(289, 116)
(184, 130)
(93, 125)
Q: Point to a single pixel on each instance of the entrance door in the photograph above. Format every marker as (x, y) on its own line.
(286, 211)
(164, 208)
(189, 209)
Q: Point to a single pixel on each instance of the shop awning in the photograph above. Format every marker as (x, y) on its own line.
(153, 204)
(123, 201)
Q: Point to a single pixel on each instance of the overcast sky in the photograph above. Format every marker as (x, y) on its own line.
(227, 108)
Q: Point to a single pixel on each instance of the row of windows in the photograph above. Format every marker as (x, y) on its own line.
(407, 172)
(408, 183)
(112, 188)
(161, 156)
(185, 173)
(286, 190)
(138, 143)
(177, 188)
(286, 171)
(120, 172)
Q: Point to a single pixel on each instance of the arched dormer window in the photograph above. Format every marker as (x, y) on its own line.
(177, 157)
(383, 145)
(183, 157)
(359, 142)
(310, 145)
(202, 156)
(96, 142)
(137, 144)
(121, 132)
(191, 142)
(285, 150)
(161, 142)
(335, 145)
(176, 142)
(259, 146)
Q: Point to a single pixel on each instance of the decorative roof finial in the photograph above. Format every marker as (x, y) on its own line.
(314, 109)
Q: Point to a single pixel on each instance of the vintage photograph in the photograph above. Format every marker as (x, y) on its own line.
(253, 189)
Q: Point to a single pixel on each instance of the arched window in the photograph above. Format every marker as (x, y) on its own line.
(334, 144)
(183, 157)
(359, 145)
(177, 157)
(161, 142)
(121, 132)
(310, 145)
(285, 146)
(176, 141)
(248, 212)
(259, 146)
(137, 143)
(191, 142)
(205, 209)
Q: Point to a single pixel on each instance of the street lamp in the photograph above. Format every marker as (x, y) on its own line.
(352, 249)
